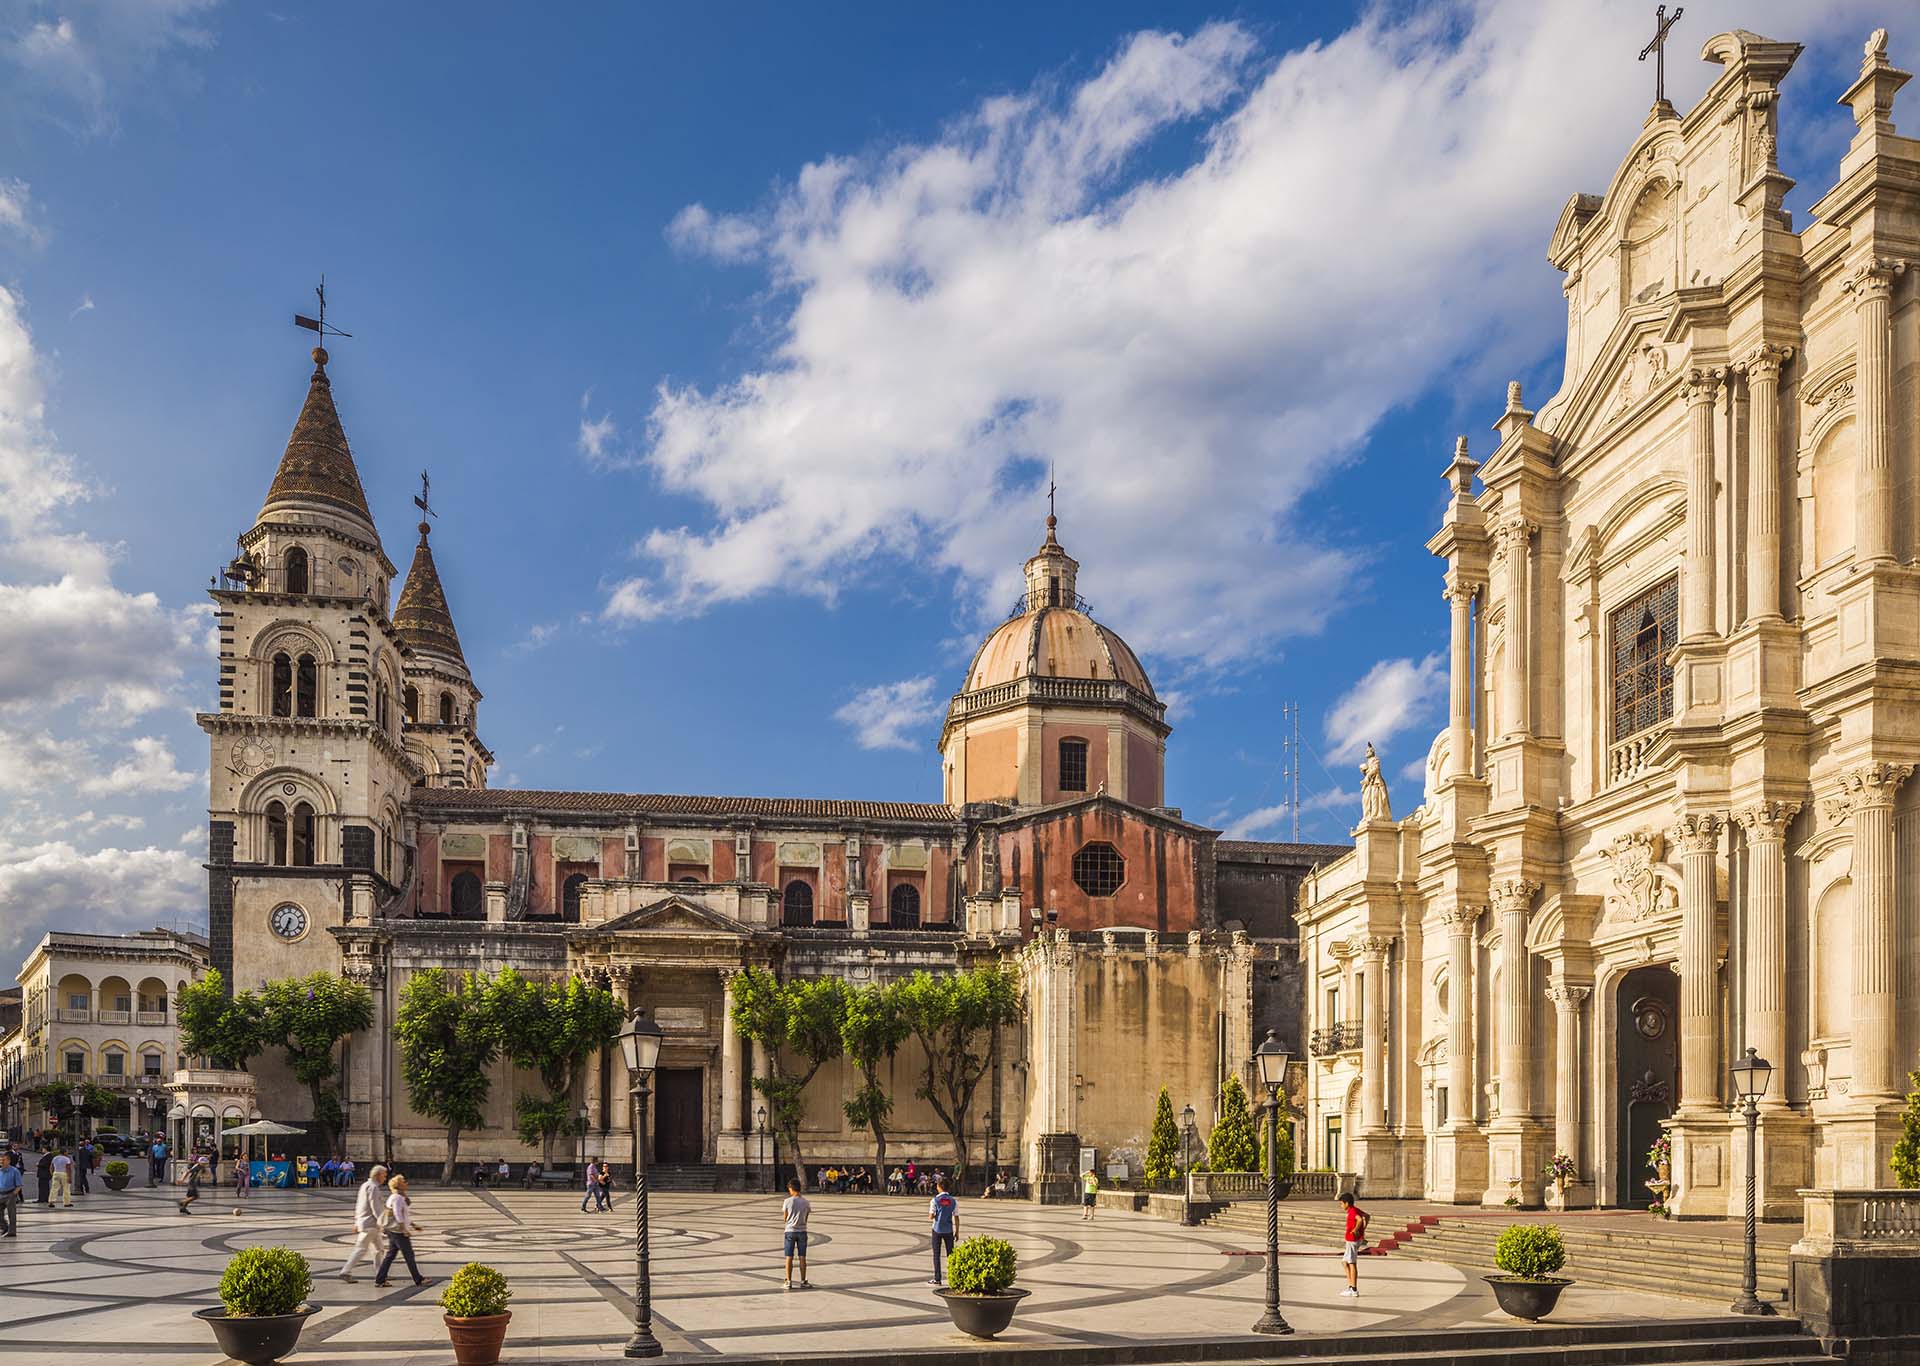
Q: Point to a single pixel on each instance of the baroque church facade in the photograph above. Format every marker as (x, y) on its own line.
(1670, 816)
(353, 829)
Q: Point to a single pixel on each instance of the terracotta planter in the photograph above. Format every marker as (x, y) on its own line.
(1531, 1300)
(982, 1316)
(477, 1341)
(256, 1341)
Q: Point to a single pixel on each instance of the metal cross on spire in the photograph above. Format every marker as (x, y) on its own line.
(320, 323)
(1657, 49)
(426, 508)
(1050, 491)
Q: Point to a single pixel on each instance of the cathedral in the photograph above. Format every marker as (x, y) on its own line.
(353, 829)
(1669, 818)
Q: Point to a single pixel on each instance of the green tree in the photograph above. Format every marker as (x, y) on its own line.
(448, 1037)
(1906, 1152)
(871, 1031)
(1285, 1145)
(1231, 1147)
(551, 1028)
(1163, 1144)
(956, 1019)
(798, 1023)
(308, 1017)
(69, 1102)
(226, 1030)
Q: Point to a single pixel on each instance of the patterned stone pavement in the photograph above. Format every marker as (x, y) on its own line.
(116, 1278)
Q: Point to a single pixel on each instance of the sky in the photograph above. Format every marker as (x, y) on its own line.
(740, 340)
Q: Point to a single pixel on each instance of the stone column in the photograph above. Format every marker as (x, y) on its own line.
(1766, 930)
(1460, 922)
(1373, 1032)
(1869, 793)
(1460, 594)
(1511, 901)
(729, 1057)
(1698, 836)
(1872, 290)
(1515, 535)
(1567, 1130)
(1763, 470)
(1696, 606)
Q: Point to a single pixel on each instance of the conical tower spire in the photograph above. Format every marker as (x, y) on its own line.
(421, 619)
(318, 466)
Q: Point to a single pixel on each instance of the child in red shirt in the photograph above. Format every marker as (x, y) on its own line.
(1356, 1239)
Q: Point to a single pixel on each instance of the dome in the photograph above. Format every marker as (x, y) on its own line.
(1054, 642)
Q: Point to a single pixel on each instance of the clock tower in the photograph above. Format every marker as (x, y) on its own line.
(309, 774)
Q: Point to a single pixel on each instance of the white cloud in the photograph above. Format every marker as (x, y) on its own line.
(148, 767)
(894, 715)
(1393, 695)
(78, 65)
(18, 212)
(1195, 281)
(107, 891)
(1276, 821)
(86, 305)
(598, 436)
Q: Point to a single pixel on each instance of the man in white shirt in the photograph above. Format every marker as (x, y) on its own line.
(369, 1222)
(62, 1180)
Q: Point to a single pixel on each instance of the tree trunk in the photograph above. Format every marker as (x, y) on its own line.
(959, 1156)
(326, 1129)
(547, 1140)
(453, 1150)
(799, 1162)
(880, 1157)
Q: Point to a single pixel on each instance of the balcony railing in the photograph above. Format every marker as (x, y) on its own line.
(65, 1016)
(150, 1017)
(1859, 1222)
(1627, 759)
(1340, 1038)
(113, 1016)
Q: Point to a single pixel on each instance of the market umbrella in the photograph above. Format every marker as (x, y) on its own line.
(266, 1128)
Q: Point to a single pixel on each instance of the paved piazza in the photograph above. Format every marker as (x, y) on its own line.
(115, 1279)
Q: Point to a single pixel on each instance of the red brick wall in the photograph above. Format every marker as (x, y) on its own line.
(1161, 890)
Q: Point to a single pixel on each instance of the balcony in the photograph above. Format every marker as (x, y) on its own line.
(113, 1016)
(1340, 1038)
(150, 1017)
(1627, 759)
(64, 1016)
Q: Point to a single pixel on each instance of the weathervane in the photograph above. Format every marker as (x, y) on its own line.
(1657, 49)
(426, 509)
(320, 323)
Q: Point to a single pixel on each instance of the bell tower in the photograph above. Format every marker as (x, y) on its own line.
(440, 702)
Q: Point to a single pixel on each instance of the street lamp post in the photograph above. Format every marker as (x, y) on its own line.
(1272, 1059)
(1186, 1139)
(640, 1042)
(1750, 1077)
(584, 1117)
(760, 1123)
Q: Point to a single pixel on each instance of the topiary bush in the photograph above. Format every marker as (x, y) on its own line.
(1532, 1252)
(981, 1266)
(116, 1168)
(477, 1291)
(261, 1282)
(1906, 1152)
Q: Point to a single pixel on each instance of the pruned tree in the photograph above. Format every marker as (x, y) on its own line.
(955, 1018)
(449, 1037)
(226, 1030)
(1231, 1147)
(308, 1017)
(798, 1023)
(871, 1031)
(551, 1028)
(1906, 1149)
(69, 1101)
(1163, 1144)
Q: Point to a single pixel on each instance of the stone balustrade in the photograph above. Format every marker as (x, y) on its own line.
(1627, 759)
(1860, 1222)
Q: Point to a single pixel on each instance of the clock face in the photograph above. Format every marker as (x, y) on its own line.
(249, 757)
(289, 921)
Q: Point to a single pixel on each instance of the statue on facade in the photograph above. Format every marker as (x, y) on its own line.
(1373, 790)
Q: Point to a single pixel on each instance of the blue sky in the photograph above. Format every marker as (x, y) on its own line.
(738, 340)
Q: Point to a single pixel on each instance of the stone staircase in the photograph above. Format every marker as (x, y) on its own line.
(703, 1177)
(1626, 1251)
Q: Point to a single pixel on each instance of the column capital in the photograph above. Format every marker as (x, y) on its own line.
(1764, 361)
(1512, 894)
(1568, 997)
(1458, 587)
(1515, 531)
(1460, 920)
(1698, 832)
(1872, 280)
(1869, 785)
(1701, 385)
(1372, 947)
(1767, 820)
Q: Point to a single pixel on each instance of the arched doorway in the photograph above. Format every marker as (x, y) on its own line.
(1647, 1079)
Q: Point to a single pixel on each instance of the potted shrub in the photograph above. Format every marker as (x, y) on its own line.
(116, 1175)
(475, 1308)
(979, 1292)
(263, 1304)
(1529, 1254)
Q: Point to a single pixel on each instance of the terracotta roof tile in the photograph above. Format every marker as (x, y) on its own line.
(654, 803)
(318, 466)
(1318, 853)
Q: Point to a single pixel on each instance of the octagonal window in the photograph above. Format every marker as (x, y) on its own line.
(1098, 869)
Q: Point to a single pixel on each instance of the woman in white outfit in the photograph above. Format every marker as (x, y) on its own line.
(369, 1222)
(400, 1231)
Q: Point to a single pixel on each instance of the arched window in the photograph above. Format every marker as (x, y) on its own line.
(446, 708)
(296, 570)
(903, 907)
(412, 697)
(796, 904)
(570, 898)
(306, 691)
(1644, 631)
(282, 685)
(302, 835)
(277, 834)
(468, 903)
(382, 700)
(1073, 765)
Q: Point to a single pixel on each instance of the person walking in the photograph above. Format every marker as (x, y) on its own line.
(943, 1214)
(242, 1182)
(606, 1185)
(1089, 1188)
(591, 1200)
(11, 1192)
(63, 1179)
(194, 1170)
(793, 1214)
(369, 1221)
(1356, 1238)
(400, 1232)
(157, 1162)
(83, 1161)
(43, 1173)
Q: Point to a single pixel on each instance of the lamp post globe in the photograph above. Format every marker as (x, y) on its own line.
(1751, 1076)
(640, 1048)
(1271, 1060)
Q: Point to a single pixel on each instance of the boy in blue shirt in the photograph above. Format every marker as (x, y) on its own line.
(943, 1213)
(11, 1193)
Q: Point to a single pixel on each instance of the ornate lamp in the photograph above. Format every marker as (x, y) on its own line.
(1271, 1059)
(640, 1046)
(1751, 1076)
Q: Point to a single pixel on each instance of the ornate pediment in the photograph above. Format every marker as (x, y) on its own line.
(1643, 886)
(672, 915)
